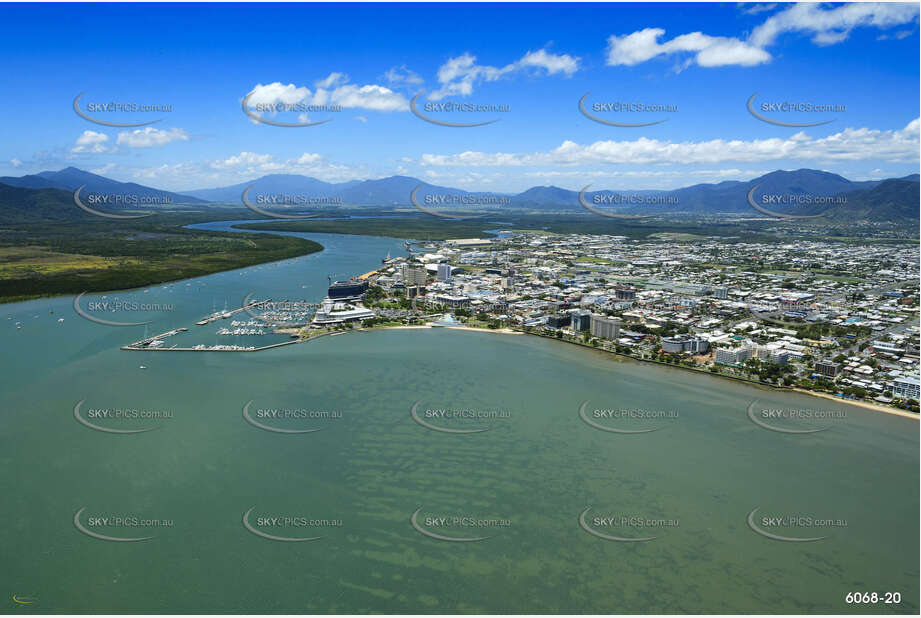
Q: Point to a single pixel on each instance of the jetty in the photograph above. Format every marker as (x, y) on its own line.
(222, 315)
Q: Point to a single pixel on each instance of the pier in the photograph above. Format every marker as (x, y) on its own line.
(221, 315)
(202, 348)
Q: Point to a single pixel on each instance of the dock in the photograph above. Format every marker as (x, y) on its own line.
(135, 348)
(222, 315)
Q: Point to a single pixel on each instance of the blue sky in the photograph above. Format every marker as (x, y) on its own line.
(706, 60)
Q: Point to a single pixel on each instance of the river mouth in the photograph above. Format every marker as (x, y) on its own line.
(327, 434)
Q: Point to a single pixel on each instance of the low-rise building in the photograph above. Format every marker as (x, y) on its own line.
(906, 388)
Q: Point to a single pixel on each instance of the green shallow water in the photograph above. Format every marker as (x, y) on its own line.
(705, 468)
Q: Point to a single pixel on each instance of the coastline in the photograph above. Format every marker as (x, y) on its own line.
(862, 404)
(504, 331)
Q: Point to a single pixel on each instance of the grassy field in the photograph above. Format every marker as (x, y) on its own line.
(94, 256)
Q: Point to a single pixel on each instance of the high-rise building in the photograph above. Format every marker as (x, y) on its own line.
(353, 289)
(444, 273)
(581, 319)
(721, 293)
(413, 274)
(559, 320)
(604, 327)
(624, 293)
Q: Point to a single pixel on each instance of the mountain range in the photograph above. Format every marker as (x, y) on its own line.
(889, 200)
(71, 178)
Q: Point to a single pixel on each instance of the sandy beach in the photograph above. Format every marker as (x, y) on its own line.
(863, 404)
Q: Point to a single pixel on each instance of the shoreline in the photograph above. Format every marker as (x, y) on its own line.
(867, 405)
(878, 407)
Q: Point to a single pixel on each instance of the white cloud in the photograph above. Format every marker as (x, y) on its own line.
(333, 79)
(552, 63)
(849, 144)
(460, 74)
(15, 162)
(379, 98)
(91, 142)
(309, 158)
(833, 25)
(242, 160)
(361, 119)
(711, 51)
(401, 76)
(754, 9)
(826, 25)
(245, 165)
(332, 90)
(149, 137)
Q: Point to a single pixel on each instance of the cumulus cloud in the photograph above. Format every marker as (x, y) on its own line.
(335, 89)
(460, 74)
(242, 160)
(15, 162)
(850, 144)
(710, 51)
(827, 26)
(149, 137)
(91, 142)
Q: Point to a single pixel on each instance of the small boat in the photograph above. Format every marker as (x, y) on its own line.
(143, 367)
(60, 320)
